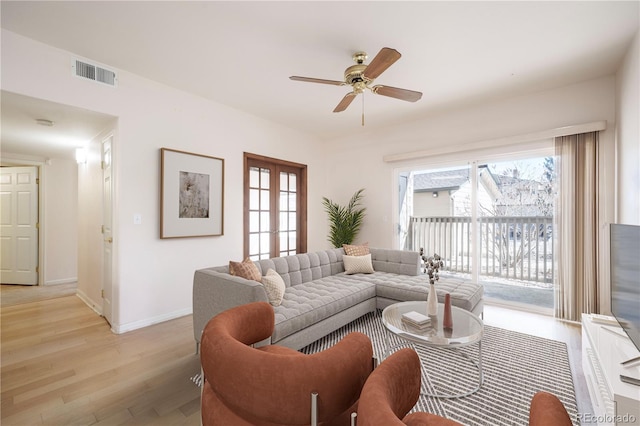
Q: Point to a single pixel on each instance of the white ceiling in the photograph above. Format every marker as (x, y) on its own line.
(242, 53)
(72, 127)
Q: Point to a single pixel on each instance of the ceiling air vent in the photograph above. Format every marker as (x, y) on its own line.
(84, 69)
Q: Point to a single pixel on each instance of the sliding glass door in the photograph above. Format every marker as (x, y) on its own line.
(491, 221)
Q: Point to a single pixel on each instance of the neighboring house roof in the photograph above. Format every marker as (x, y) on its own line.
(440, 181)
(444, 180)
(507, 180)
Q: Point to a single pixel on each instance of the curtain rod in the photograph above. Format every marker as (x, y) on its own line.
(493, 143)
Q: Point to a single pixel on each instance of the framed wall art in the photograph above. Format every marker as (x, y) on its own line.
(191, 194)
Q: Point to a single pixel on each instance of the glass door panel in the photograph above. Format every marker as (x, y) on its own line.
(517, 238)
(288, 214)
(259, 213)
(440, 222)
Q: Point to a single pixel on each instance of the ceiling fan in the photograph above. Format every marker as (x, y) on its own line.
(361, 76)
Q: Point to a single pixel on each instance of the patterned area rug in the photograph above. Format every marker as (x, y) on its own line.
(515, 367)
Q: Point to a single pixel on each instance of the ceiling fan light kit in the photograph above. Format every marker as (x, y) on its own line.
(360, 77)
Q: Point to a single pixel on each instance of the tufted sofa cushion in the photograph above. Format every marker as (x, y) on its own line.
(394, 261)
(307, 303)
(306, 267)
(405, 288)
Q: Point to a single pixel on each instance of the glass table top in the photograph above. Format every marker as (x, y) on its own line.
(467, 327)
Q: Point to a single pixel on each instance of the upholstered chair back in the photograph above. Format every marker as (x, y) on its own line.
(272, 385)
(392, 390)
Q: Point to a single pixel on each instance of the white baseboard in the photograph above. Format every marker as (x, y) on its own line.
(97, 308)
(62, 281)
(119, 329)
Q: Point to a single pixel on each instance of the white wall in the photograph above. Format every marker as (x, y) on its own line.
(153, 277)
(628, 136)
(576, 104)
(61, 235)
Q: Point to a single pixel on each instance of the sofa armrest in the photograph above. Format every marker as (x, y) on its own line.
(396, 261)
(215, 292)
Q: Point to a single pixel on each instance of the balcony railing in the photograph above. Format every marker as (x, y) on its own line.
(513, 247)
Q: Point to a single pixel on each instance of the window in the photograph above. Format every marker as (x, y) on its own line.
(275, 207)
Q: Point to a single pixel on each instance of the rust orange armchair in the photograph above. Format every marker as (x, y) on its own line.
(273, 385)
(392, 390)
(547, 410)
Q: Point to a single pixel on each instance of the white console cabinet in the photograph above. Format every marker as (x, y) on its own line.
(604, 347)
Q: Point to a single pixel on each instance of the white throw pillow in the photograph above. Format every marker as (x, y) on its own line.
(357, 264)
(274, 286)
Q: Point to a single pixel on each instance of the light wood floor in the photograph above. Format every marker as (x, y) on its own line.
(61, 365)
(11, 294)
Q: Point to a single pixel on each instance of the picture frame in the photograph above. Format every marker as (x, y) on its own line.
(191, 194)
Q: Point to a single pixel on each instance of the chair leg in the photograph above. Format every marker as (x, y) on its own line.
(314, 408)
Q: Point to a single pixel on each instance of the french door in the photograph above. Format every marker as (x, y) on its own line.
(275, 207)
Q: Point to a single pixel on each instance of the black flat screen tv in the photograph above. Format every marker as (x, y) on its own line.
(625, 279)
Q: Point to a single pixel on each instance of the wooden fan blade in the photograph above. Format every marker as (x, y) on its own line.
(345, 102)
(383, 60)
(317, 80)
(394, 92)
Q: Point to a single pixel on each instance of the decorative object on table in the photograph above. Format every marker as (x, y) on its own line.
(432, 268)
(192, 194)
(447, 321)
(344, 221)
(432, 265)
(432, 301)
(416, 319)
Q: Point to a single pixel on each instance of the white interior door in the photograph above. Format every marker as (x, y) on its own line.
(19, 225)
(107, 203)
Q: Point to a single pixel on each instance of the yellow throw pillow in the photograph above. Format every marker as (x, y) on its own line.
(245, 269)
(358, 264)
(356, 250)
(274, 286)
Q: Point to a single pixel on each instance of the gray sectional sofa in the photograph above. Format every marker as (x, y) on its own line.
(319, 297)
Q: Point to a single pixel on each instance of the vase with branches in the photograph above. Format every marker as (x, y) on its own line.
(344, 221)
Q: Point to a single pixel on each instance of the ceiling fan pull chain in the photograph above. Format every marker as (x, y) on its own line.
(362, 109)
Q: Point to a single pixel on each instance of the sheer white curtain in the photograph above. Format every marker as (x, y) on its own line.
(577, 227)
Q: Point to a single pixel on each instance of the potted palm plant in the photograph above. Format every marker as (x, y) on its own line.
(345, 221)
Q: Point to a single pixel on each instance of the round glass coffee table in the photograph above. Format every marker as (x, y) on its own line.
(467, 330)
